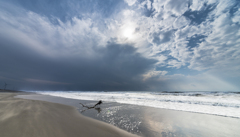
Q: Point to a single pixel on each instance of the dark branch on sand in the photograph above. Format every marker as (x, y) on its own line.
(99, 109)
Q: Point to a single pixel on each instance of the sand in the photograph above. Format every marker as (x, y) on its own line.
(32, 118)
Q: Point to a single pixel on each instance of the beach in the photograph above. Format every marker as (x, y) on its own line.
(33, 118)
(151, 122)
(120, 68)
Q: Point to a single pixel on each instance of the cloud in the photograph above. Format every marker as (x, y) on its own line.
(181, 22)
(113, 67)
(38, 33)
(45, 82)
(176, 7)
(152, 74)
(201, 82)
(120, 44)
(220, 48)
(174, 63)
(130, 2)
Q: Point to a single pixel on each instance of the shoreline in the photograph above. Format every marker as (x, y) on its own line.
(153, 122)
(32, 93)
(33, 118)
(213, 103)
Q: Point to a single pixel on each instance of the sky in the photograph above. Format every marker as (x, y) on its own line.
(120, 45)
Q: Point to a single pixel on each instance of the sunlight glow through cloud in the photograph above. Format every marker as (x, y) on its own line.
(128, 31)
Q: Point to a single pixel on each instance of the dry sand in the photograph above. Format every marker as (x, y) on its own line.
(31, 118)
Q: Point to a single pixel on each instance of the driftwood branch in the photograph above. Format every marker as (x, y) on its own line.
(98, 109)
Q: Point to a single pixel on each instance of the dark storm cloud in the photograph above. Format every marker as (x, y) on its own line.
(118, 67)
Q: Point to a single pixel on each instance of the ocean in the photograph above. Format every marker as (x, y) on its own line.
(225, 104)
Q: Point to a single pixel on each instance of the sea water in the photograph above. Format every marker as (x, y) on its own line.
(215, 103)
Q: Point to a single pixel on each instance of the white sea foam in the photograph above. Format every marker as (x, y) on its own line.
(215, 103)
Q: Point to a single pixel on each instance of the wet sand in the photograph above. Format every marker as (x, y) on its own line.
(33, 118)
(153, 122)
